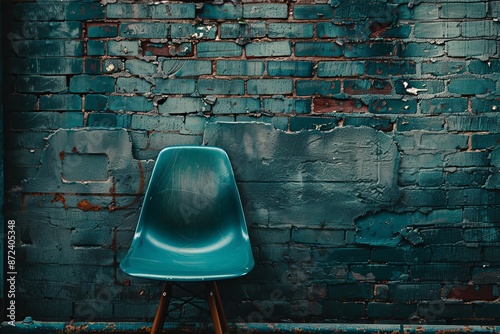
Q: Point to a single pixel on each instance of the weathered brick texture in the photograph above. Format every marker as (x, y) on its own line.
(364, 136)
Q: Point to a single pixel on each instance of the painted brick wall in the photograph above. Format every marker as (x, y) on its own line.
(364, 136)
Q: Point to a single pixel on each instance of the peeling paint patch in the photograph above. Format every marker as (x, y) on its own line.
(85, 205)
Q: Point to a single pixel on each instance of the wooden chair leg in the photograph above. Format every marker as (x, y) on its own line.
(220, 308)
(214, 312)
(162, 310)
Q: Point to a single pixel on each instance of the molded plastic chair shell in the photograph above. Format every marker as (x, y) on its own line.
(191, 226)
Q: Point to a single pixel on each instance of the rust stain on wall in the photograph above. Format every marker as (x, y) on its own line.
(85, 205)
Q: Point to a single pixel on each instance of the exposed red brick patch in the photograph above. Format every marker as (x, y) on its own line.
(472, 292)
(328, 105)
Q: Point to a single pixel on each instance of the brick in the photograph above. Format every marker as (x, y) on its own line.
(84, 11)
(409, 292)
(269, 86)
(487, 310)
(218, 49)
(186, 68)
(140, 67)
(286, 105)
(357, 87)
(239, 67)
(391, 68)
(177, 49)
(111, 65)
(108, 120)
(317, 87)
(335, 105)
(123, 48)
(471, 48)
(421, 87)
(236, 105)
(436, 29)
(485, 104)
(484, 141)
(317, 49)
(437, 106)
(47, 48)
(265, 10)
(158, 122)
(467, 159)
(322, 237)
(182, 105)
(19, 102)
(484, 67)
(462, 10)
(390, 310)
(455, 253)
(132, 85)
(342, 255)
(130, 103)
(427, 50)
(102, 30)
(41, 84)
(268, 49)
(96, 48)
(444, 310)
(290, 30)
(39, 11)
(61, 102)
(89, 83)
(376, 49)
(144, 30)
(96, 102)
(224, 87)
(440, 68)
(71, 120)
(472, 123)
(350, 291)
(311, 12)
(419, 123)
(433, 178)
(471, 86)
(290, 68)
(243, 30)
(393, 106)
(482, 235)
(174, 11)
(127, 11)
(48, 30)
(377, 272)
(357, 32)
(395, 32)
(340, 68)
(446, 141)
(474, 29)
(175, 86)
(221, 12)
(198, 31)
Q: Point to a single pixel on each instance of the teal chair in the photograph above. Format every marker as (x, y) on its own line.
(191, 228)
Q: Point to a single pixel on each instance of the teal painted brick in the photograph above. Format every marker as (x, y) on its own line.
(186, 68)
(440, 68)
(311, 12)
(175, 86)
(157, 122)
(108, 120)
(240, 67)
(243, 30)
(270, 86)
(91, 83)
(317, 87)
(471, 86)
(390, 68)
(439, 272)
(484, 141)
(290, 68)
(484, 28)
(400, 32)
(290, 30)
(350, 291)
(111, 65)
(132, 85)
(236, 106)
(377, 272)
(45, 11)
(462, 10)
(317, 49)
(265, 10)
(312, 123)
(471, 48)
(485, 105)
(140, 67)
(494, 8)
(219, 49)
(96, 102)
(18, 102)
(224, 87)
(390, 310)
(467, 159)
(144, 30)
(444, 105)
(424, 11)
(443, 141)
(469, 177)
(84, 11)
(487, 310)
(47, 48)
(123, 48)
(127, 11)
(357, 87)
(71, 120)
(420, 123)
(484, 67)
(430, 178)
(411, 292)
(340, 68)
(482, 235)
(282, 105)
(352, 310)
(198, 31)
(102, 30)
(379, 123)
(92, 66)
(423, 86)
(221, 12)
(425, 50)
(280, 123)
(96, 48)
(341, 255)
(423, 160)
(436, 29)
(376, 49)
(60, 102)
(174, 11)
(48, 30)
(268, 49)
(41, 84)
(130, 103)
(315, 236)
(393, 106)
(352, 32)
(183, 105)
(20, 66)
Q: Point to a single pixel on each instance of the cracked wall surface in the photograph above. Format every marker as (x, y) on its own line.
(364, 136)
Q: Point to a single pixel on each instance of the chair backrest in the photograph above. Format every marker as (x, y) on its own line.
(192, 211)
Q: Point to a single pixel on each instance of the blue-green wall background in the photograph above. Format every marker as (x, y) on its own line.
(364, 137)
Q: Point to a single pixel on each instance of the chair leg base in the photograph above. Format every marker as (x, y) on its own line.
(162, 311)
